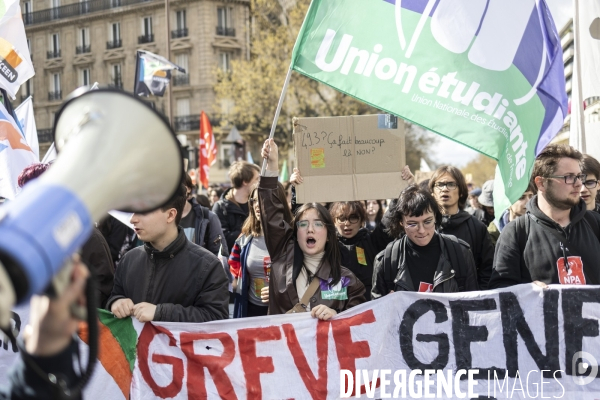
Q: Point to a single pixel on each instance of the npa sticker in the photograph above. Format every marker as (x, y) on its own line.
(360, 255)
(337, 292)
(317, 158)
(425, 287)
(572, 276)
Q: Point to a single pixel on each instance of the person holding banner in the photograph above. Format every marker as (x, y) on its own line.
(450, 190)
(306, 270)
(558, 239)
(422, 260)
(359, 246)
(591, 168)
(250, 263)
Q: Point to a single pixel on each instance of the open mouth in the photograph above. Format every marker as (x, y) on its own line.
(310, 242)
(444, 197)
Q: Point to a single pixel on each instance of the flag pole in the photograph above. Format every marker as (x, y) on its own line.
(277, 111)
(580, 117)
(169, 87)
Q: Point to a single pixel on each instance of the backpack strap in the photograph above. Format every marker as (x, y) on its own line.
(391, 258)
(453, 243)
(593, 223)
(207, 229)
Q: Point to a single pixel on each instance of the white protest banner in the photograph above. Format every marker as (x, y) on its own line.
(516, 343)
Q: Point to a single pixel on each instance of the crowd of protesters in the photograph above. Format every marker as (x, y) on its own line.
(180, 262)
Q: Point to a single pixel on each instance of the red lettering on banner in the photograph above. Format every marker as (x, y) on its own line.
(347, 350)
(143, 346)
(254, 366)
(196, 382)
(317, 387)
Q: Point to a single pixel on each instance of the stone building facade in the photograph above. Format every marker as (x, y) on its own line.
(75, 43)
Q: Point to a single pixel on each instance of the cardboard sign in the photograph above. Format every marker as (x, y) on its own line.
(349, 158)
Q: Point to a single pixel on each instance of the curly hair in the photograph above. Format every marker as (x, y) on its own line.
(413, 202)
(31, 172)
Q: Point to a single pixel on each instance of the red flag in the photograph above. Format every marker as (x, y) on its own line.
(207, 154)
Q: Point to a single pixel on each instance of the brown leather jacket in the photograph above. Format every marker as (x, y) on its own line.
(287, 259)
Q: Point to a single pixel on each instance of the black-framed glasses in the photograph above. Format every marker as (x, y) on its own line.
(590, 184)
(570, 179)
(447, 185)
(352, 218)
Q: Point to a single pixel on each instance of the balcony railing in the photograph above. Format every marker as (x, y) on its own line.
(45, 135)
(192, 122)
(56, 95)
(179, 33)
(113, 44)
(223, 31)
(83, 49)
(73, 10)
(146, 38)
(116, 82)
(53, 54)
(181, 80)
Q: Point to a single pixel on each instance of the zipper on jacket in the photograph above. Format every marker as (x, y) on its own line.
(562, 247)
(445, 280)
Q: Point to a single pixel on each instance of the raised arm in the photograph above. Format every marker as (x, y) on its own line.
(276, 229)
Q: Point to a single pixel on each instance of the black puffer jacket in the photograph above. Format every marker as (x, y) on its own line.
(232, 218)
(448, 278)
(528, 251)
(186, 282)
(468, 228)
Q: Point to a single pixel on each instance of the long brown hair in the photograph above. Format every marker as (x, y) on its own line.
(252, 224)
(332, 251)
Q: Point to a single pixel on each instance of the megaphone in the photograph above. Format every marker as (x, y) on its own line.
(115, 152)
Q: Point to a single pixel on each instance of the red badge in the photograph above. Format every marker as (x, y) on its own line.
(425, 287)
(572, 276)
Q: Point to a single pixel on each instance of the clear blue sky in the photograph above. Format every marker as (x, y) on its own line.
(447, 151)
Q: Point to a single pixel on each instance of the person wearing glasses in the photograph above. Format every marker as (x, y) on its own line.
(449, 189)
(557, 240)
(250, 262)
(422, 260)
(359, 246)
(301, 252)
(591, 168)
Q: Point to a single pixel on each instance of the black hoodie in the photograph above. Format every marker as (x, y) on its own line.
(537, 261)
(231, 216)
(361, 265)
(468, 228)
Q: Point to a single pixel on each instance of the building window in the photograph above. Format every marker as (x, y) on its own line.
(84, 77)
(147, 35)
(180, 24)
(27, 10)
(55, 89)
(225, 61)
(84, 41)
(54, 9)
(181, 79)
(114, 36)
(27, 89)
(225, 21)
(54, 46)
(116, 76)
